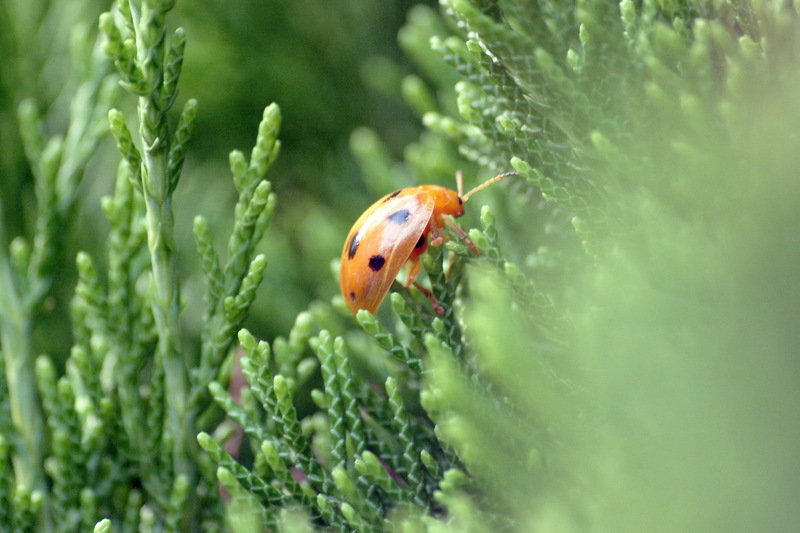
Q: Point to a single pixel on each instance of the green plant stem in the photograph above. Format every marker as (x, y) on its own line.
(166, 303)
(160, 236)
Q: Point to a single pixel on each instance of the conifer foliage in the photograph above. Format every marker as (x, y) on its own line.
(619, 356)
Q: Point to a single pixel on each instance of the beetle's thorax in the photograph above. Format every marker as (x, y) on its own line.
(445, 201)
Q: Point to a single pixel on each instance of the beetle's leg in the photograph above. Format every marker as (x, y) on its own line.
(414, 266)
(436, 238)
(461, 234)
(437, 307)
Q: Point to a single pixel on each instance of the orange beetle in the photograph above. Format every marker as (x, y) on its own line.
(394, 231)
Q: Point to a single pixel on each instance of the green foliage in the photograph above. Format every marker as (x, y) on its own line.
(118, 419)
(620, 356)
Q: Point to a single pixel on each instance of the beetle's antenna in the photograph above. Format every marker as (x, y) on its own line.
(460, 183)
(484, 184)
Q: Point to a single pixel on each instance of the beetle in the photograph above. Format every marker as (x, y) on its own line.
(394, 231)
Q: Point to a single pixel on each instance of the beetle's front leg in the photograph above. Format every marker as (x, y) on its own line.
(461, 234)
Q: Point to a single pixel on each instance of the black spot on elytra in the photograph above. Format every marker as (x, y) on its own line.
(376, 262)
(420, 242)
(352, 297)
(395, 193)
(353, 247)
(400, 216)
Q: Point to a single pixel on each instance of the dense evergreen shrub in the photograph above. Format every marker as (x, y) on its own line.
(620, 356)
